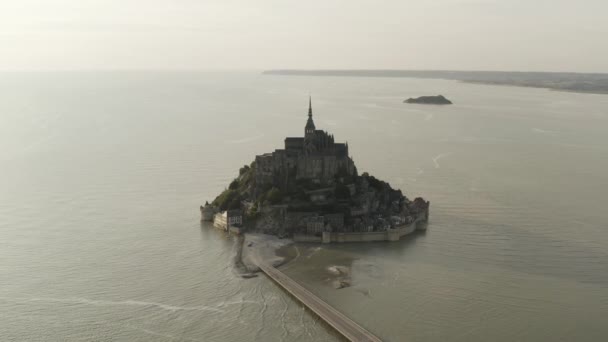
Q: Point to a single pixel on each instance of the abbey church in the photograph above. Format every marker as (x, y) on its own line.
(315, 157)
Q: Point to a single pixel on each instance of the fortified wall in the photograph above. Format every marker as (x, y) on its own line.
(389, 235)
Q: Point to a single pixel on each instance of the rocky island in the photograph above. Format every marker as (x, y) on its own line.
(311, 191)
(436, 100)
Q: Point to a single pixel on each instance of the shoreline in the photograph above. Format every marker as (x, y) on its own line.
(255, 247)
(524, 79)
(280, 252)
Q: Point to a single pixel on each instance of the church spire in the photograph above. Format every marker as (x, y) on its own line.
(310, 125)
(309, 106)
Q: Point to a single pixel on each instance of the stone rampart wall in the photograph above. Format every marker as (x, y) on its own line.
(306, 238)
(359, 237)
(389, 235)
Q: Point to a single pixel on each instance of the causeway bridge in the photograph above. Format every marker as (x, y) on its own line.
(344, 325)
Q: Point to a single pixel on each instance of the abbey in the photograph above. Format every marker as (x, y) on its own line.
(315, 157)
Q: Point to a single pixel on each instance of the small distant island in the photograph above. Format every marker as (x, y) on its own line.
(436, 100)
(311, 191)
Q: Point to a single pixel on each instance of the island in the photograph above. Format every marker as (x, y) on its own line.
(436, 100)
(311, 191)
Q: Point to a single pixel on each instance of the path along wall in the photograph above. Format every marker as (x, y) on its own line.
(389, 235)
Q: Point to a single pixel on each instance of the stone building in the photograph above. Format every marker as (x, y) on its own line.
(321, 223)
(226, 219)
(315, 157)
(335, 221)
(315, 224)
(207, 212)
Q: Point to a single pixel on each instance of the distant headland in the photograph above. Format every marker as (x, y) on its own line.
(311, 191)
(596, 83)
(436, 100)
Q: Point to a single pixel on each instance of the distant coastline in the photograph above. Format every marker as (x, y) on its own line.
(593, 83)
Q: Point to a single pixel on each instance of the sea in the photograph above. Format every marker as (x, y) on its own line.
(102, 175)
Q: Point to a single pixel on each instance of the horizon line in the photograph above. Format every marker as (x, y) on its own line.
(291, 70)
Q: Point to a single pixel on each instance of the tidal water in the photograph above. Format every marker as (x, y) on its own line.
(101, 176)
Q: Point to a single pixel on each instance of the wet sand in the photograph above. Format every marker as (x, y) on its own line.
(257, 247)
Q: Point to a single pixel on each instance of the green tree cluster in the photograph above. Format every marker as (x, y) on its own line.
(228, 200)
(272, 196)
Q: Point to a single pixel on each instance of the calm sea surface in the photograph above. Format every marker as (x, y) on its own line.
(101, 176)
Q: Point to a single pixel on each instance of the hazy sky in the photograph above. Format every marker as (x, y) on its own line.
(550, 35)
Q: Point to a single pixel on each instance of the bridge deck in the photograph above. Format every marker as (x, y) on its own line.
(344, 325)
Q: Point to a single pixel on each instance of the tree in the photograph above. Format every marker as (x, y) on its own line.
(235, 203)
(244, 170)
(234, 185)
(229, 199)
(253, 212)
(274, 196)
